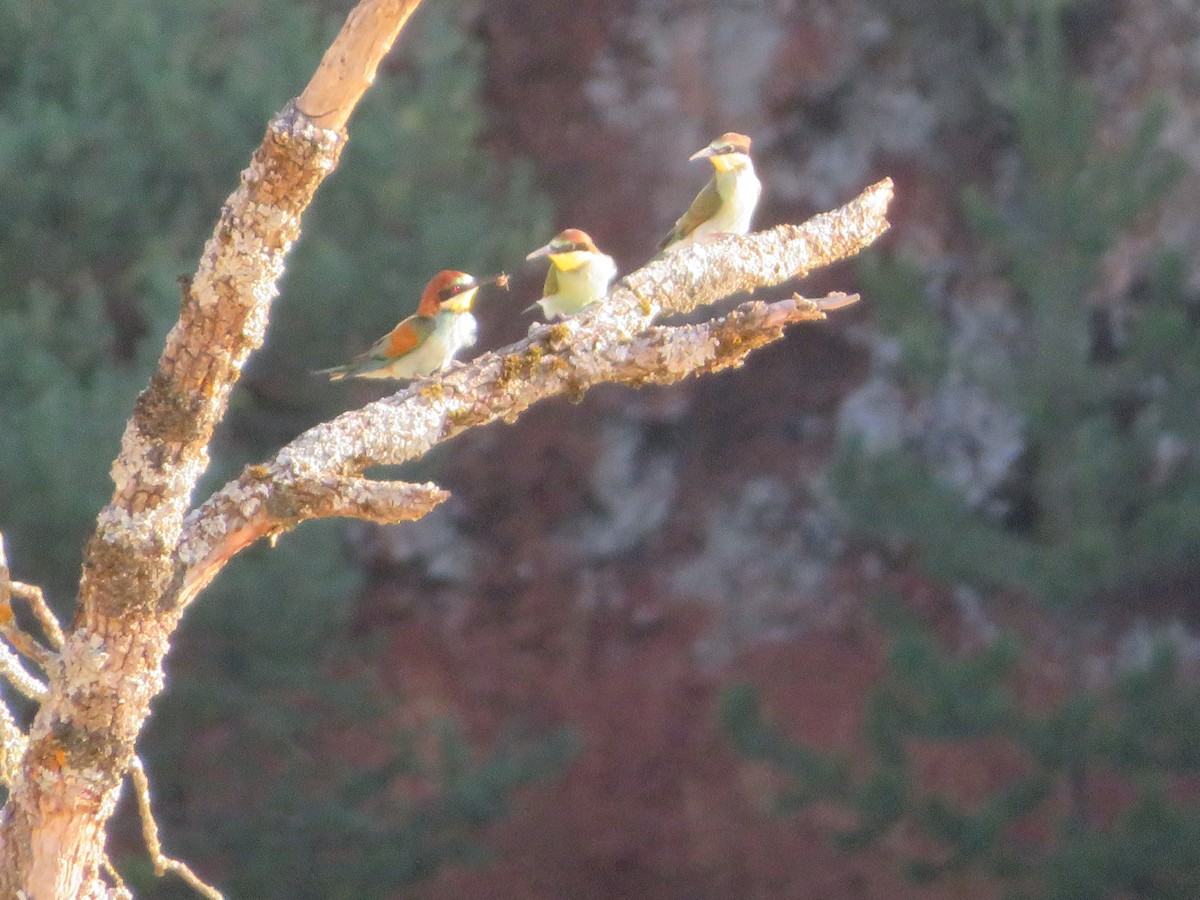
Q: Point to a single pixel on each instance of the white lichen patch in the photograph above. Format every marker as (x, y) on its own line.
(408, 430)
(686, 350)
(131, 458)
(84, 658)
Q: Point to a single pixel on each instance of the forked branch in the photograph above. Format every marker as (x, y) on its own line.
(612, 342)
(149, 556)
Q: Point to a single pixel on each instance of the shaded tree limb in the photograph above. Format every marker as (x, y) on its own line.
(268, 500)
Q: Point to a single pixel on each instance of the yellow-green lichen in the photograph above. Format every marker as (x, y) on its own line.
(575, 391)
(520, 365)
(731, 344)
(466, 417)
(432, 390)
(558, 333)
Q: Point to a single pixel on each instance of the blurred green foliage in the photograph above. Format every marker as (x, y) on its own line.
(328, 826)
(1106, 494)
(1102, 393)
(1144, 732)
(123, 126)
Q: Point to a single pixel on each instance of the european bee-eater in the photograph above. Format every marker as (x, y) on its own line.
(579, 273)
(428, 340)
(727, 202)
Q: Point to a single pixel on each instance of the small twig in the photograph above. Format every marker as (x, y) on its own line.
(664, 354)
(162, 863)
(119, 890)
(21, 641)
(32, 594)
(19, 677)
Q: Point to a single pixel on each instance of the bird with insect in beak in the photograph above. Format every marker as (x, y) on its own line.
(727, 202)
(579, 274)
(427, 341)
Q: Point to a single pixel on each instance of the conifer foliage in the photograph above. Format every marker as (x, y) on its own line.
(1103, 495)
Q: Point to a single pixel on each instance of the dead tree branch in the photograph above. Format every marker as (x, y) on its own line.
(348, 67)
(271, 499)
(149, 556)
(614, 342)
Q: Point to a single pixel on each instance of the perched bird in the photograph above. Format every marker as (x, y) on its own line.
(579, 273)
(428, 340)
(727, 202)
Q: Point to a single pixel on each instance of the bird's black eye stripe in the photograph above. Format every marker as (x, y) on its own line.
(453, 291)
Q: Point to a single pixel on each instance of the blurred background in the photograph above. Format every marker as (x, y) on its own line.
(905, 607)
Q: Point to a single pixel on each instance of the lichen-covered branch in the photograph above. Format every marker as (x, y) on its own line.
(614, 341)
(110, 666)
(269, 500)
(111, 658)
(569, 357)
(669, 353)
(145, 560)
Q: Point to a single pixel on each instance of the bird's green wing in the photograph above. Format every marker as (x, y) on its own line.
(703, 208)
(402, 339)
(551, 286)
